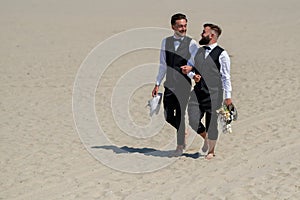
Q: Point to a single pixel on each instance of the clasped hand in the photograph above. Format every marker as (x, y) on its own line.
(186, 69)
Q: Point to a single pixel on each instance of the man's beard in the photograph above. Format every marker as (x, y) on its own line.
(204, 40)
(181, 34)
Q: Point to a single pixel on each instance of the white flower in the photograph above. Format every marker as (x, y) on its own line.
(225, 117)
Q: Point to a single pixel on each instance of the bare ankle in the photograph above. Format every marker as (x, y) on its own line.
(203, 134)
(180, 147)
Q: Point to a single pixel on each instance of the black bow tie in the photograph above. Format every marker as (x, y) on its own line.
(207, 48)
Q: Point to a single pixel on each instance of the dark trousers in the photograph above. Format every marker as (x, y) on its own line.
(200, 104)
(174, 106)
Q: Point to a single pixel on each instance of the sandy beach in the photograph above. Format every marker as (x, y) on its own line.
(75, 80)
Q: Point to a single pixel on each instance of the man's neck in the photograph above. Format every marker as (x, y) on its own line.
(178, 36)
(212, 43)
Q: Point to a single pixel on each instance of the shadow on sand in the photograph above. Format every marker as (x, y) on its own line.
(146, 151)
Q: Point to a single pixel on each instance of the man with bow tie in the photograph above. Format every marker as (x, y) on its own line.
(176, 50)
(210, 68)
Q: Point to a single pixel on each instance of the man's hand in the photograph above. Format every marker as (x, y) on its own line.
(186, 69)
(197, 78)
(228, 102)
(155, 90)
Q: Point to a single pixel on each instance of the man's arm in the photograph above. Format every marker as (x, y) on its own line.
(189, 68)
(193, 48)
(162, 68)
(225, 72)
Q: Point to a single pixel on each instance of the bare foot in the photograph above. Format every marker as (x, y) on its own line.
(178, 152)
(211, 152)
(209, 156)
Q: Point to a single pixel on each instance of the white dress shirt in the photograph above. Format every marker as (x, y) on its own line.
(193, 48)
(224, 61)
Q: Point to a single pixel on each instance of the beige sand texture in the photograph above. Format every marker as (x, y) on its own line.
(43, 44)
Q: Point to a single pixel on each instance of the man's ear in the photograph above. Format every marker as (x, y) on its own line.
(173, 27)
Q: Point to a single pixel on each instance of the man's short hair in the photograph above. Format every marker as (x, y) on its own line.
(214, 27)
(177, 16)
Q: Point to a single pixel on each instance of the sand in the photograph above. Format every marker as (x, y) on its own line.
(52, 150)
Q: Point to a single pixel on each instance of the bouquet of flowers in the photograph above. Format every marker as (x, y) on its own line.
(226, 114)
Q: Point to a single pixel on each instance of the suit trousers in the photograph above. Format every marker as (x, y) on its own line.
(175, 104)
(200, 105)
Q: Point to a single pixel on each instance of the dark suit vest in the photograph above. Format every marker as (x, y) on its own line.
(210, 84)
(175, 79)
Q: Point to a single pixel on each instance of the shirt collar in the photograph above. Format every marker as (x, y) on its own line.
(212, 46)
(175, 37)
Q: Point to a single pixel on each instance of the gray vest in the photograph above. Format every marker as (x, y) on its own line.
(210, 84)
(175, 79)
